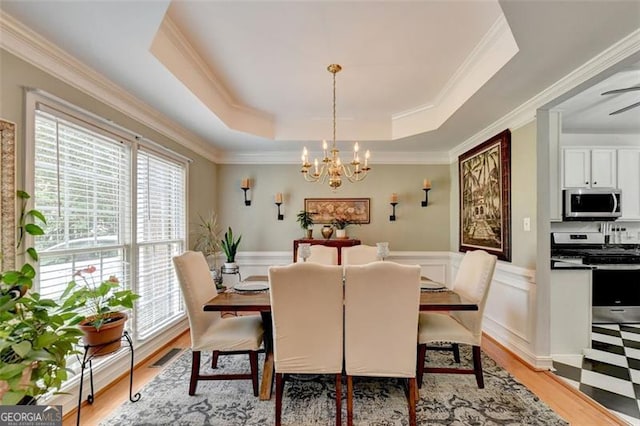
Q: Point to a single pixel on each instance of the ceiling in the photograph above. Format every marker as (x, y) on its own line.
(418, 77)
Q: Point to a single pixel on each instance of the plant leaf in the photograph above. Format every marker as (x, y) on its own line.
(32, 253)
(22, 349)
(33, 229)
(36, 213)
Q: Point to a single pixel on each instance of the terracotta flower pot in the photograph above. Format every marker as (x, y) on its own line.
(108, 338)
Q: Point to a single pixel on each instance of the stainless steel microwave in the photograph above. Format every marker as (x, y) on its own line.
(591, 204)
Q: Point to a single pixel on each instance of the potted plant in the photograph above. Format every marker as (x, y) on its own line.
(341, 224)
(208, 242)
(230, 248)
(36, 334)
(305, 220)
(103, 325)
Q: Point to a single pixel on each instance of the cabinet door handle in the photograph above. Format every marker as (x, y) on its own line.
(586, 182)
(595, 183)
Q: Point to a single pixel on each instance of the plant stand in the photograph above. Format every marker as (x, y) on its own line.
(86, 361)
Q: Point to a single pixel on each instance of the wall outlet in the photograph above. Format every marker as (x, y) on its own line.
(526, 224)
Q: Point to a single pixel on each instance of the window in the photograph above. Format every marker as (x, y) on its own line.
(160, 236)
(112, 202)
(82, 183)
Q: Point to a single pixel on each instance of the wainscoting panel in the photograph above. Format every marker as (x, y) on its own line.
(509, 315)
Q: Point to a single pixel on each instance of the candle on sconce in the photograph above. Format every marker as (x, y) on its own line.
(394, 198)
(426, 184)
(245, 183)
(279, 197)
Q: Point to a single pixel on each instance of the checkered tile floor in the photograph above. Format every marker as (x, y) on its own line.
(610, 370)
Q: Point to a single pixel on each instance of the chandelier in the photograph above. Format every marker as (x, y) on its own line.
(332, 168)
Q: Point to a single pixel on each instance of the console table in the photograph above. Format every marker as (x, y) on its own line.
(339, 243)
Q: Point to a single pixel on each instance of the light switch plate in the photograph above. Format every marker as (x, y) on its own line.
(526, 224)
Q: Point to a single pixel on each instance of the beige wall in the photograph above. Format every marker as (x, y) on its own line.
(416, 228)
(17, 75)
(523, 197)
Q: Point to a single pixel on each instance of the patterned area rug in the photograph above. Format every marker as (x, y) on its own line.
(445, 399)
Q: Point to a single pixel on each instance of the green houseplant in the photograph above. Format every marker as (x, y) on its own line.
(103, 325)
(341, 224)
(230, 248)
(208, 242)
(305, 220)
(36, 334)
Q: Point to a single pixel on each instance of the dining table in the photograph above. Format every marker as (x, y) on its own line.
(259, 301)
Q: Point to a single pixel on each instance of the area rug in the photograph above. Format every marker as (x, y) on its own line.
(445, 399)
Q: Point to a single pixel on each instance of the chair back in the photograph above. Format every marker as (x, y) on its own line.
(359, 255)
(306, 309)
(382, 301)
(323, 255)
(472, 282)
(197, 288)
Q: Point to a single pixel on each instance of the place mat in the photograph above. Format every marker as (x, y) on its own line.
(246, 286)
(432, 286)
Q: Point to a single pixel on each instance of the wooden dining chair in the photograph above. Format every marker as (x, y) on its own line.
(359, 255)
(307, 315)
(376, 344)
(460, 327)
(209, 332)
(323, 255)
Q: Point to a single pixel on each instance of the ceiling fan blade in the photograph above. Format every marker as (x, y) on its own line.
(627, 108)
(626, 89)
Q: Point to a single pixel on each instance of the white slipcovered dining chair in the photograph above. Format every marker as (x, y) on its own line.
(209, 332)
(359, 255)
(323, 255)
(460, 327)
(307, 315)
(369, 290)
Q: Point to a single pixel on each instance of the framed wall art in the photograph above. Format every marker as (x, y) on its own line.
(7, 194)
(325, 210)
(485, 197)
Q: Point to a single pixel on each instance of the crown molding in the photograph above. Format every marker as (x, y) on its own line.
(287, 157)
(496, 48)
(176, 53)
(526, 112)
(31, 47)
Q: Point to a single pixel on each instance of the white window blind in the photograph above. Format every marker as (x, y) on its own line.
(161, 235)
(82, 185)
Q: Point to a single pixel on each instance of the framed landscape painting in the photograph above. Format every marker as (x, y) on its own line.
(325, 210)
(485, 197)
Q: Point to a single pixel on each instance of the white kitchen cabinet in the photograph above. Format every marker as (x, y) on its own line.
(589, 168)
(629, 182)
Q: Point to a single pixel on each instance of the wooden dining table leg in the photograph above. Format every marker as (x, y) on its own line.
(268, 369)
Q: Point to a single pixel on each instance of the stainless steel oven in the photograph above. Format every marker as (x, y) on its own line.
(616, 293)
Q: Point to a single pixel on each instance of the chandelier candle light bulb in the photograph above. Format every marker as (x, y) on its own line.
(332, 169)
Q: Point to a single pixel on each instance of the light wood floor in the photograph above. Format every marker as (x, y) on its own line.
(568, 403)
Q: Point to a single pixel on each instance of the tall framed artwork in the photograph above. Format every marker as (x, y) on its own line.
(7, 194)
(485, 197)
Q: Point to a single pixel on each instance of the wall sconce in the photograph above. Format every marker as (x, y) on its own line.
(394, 203)
(426, 186)
(246, 184)
(279, 203)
